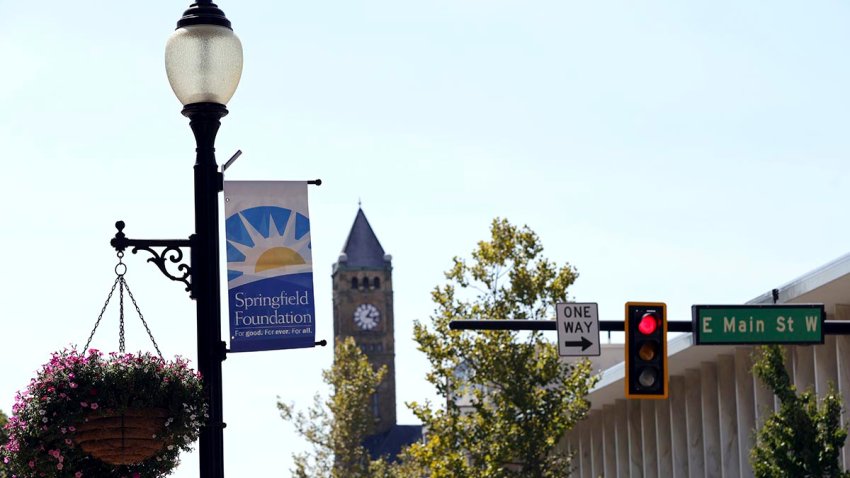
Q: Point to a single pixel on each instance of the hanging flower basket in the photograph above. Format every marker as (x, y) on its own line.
(105, 416)
(98, 416)
(122, 438)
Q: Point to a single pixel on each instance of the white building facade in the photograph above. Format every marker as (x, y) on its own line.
(706, 427)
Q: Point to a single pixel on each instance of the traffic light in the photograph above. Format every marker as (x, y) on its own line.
(646, 350)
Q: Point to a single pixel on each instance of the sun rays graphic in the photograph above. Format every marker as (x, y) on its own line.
(267, 241)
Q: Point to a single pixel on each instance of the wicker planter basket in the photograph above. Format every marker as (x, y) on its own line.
(124, 438)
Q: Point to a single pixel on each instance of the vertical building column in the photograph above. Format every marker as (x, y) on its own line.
(609, 442)
(710, 420)
(635, 444)
(842, 349)
(662, 433)
(765, 400)
(622, 428)
(597, 451)
(584, 448)
(804, 366)
(826, 366)
(694, 417)
(730, 460)
(678, 427)
(745, 396)
(648, 438)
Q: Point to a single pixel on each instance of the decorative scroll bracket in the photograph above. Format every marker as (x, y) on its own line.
(171, 252)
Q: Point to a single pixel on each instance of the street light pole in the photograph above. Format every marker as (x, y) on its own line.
(204, 121)
(203, 60)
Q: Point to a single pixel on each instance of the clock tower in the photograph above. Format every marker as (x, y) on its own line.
(363, 309)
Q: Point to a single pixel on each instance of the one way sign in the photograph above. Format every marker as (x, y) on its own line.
(578, 329)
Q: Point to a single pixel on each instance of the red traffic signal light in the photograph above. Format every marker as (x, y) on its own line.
(648, 324)
(646, 350)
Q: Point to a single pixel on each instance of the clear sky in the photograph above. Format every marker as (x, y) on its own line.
(688, 152)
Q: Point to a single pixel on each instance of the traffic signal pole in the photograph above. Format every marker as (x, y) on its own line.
(645, 326)
(830, 327)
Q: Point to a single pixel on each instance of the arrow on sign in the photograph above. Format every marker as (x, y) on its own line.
(583, 343)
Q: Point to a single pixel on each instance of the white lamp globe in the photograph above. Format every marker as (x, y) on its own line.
(203, 63)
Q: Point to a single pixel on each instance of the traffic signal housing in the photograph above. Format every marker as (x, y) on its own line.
(646, 350)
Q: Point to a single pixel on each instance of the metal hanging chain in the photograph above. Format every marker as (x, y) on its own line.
(102, 311)
(121, 283)
(141, 317)
(122, 345)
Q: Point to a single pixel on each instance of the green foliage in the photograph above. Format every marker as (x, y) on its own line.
(4, 437)
(802, 439)
(523, 398)
(336, 428)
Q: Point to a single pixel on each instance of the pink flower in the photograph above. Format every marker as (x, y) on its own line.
(84, 404)
(94, 406)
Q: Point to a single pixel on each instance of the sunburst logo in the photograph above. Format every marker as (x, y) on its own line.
(267, 241)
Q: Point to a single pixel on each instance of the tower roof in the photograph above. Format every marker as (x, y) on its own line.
(362, 248)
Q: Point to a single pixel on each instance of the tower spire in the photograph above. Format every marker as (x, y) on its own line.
(362, 248)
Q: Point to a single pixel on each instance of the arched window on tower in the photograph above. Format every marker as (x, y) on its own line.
(353, 282)
(375, 409)
(376, 283)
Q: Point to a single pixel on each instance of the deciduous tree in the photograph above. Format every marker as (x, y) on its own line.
(336, 428)
(803, 438)
(520, 398)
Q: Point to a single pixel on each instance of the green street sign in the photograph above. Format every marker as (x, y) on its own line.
(758, 324)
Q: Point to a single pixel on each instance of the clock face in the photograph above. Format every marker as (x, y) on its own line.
(366, 316)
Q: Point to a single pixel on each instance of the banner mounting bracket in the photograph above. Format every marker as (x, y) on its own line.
(230, 161)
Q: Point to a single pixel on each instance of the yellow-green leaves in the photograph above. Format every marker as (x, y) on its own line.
(337, 427)
(802, 438)
(508, 399)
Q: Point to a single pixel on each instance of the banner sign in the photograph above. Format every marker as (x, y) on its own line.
(269, 265)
